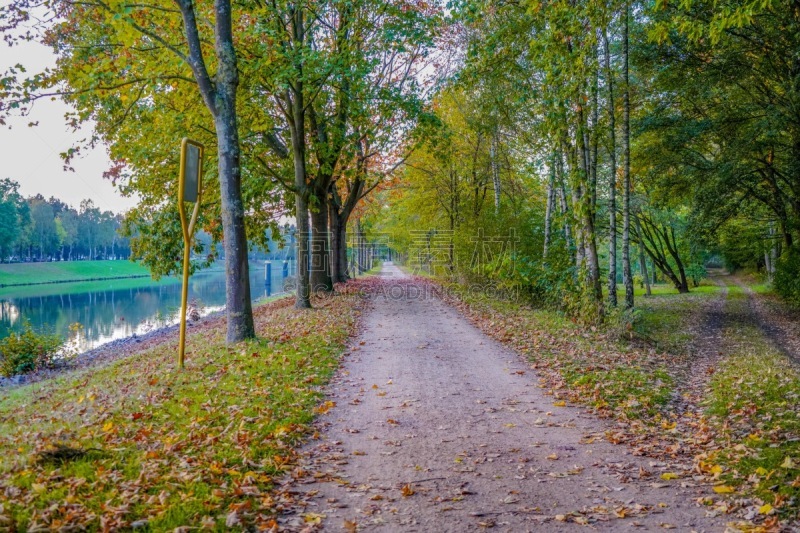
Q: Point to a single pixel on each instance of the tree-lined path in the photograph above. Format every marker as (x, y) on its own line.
(438, 427)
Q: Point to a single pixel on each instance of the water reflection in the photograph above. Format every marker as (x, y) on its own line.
(116, 309)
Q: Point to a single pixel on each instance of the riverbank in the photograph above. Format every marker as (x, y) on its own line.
(20, 274)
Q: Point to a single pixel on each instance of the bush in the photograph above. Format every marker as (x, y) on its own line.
(787, 276)
(28, 351)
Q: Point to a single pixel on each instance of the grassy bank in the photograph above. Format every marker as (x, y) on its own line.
(64, 271)
(137, 443)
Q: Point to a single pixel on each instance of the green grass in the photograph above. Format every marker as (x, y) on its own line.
(177, 449)
(28, 273)
(667, 319)
(80, 287)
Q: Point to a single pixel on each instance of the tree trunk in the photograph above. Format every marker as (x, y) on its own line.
(303, 289)
(643, 262)
(627, 279)
(612, 185)
(643, 268)
(587, 213)
(297, 131)
(338, 252)
(237, 279)
(548, 214)
(320, 249)
(495, 175)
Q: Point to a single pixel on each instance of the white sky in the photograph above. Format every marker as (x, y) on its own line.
(30, 155)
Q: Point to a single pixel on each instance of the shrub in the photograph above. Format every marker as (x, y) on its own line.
(28, 351)
(787, 276)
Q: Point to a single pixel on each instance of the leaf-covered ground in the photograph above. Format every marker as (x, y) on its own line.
(137, 444)
(698, 381)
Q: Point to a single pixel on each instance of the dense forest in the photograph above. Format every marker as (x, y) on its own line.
(39, 229)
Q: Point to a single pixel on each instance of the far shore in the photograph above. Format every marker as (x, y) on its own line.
(46, 273)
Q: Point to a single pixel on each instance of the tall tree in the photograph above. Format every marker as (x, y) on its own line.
(612, 175)
(627, 276)
(10, 216)
(103, 48)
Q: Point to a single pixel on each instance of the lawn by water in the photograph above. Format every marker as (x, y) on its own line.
(62, 271)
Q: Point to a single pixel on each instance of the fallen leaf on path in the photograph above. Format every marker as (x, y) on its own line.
(313, 518)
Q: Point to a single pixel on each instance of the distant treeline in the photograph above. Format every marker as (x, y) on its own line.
(39, 229)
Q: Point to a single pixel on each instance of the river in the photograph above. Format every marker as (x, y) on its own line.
(115, 309)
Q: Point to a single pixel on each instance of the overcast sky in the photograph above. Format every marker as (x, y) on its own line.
(30, 155)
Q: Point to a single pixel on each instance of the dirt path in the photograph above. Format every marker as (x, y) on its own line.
(438, 428)
(706, 350)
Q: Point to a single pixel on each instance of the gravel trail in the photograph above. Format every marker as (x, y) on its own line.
(436, 427)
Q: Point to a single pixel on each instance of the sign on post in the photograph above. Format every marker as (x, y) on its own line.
(190, 189)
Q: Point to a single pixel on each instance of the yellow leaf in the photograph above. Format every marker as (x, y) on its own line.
(765, 509)
(407, 490)
(716, 469)
(313, 518)
(560, 403)
(761, 471)
(325, 407)
(666, 476)
(38, 488)
(723, 489)
(666, 425)
(108, 426)
(788, 463)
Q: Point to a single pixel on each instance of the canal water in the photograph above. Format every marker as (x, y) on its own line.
(115, 309)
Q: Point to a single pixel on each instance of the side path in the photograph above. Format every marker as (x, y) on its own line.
(438, 428)
(779, 324)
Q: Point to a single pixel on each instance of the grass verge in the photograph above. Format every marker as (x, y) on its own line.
(137, 443)
(62, 271)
